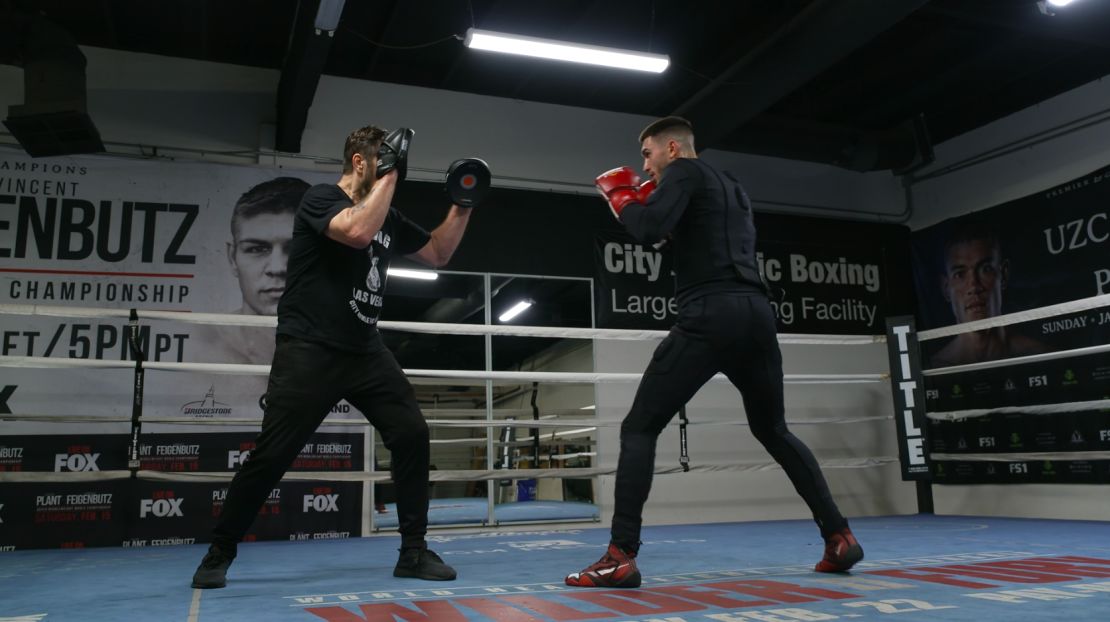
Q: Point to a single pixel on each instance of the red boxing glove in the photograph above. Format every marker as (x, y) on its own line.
(620, 187)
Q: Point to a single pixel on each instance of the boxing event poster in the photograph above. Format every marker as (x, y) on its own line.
(1046, 248)
(115, 233)
(136, 513)
(144, 513)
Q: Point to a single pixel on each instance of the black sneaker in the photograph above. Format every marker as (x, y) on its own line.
(212, 572)
(420, 563)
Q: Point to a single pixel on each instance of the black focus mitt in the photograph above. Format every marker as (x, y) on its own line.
(394, 152)
(468, 181)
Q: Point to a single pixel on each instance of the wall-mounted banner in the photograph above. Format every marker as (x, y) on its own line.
(135, 512)
(634, 284)
(94, 231)
(139, 513)
(827, 288)
(1045, 248)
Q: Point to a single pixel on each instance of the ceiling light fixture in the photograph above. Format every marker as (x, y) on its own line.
(516, 310)
(423, 275)
(562, 50)
(1060, 2)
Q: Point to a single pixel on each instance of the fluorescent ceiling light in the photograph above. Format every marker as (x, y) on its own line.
(1060, 2)
(516, 310)
(561, 50)
(590, 407)
(423, 275)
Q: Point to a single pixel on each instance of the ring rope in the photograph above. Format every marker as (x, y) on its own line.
(1033, 456)
(1040, 313)
(416, 376)
(269, 321)
(1017, 360)
(451, 423)
(1032, 409)
(436, 476)
(558, 457)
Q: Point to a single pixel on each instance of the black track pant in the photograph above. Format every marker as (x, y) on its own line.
(733, 334)
(306, 380)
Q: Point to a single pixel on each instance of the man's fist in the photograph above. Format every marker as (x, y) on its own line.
(393, 154)
(622, 186)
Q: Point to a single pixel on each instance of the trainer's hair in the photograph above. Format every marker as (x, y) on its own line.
(364, 140)
(671, 128)
(276, 196)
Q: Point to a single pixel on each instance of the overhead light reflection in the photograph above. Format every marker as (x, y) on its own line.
(515, 310)
(404, 273)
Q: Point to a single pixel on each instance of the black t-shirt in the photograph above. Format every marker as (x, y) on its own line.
(333, 293)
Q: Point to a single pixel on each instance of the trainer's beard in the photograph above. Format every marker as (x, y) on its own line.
(366, 185)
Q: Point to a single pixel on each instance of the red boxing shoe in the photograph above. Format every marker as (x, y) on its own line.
(615, 569)
(841, 552)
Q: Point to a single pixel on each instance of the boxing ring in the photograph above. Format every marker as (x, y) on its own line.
(511, 557)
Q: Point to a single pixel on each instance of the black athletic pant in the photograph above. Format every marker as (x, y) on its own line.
(733, 334)
(306, 380)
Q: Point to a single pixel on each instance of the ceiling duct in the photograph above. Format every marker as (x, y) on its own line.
(53, 119)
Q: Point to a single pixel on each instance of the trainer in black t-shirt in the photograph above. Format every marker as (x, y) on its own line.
(333, 293)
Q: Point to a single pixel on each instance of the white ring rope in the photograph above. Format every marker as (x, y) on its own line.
(435, 476)
(1032, 409)
(579, 437)
(1033, 456)
(1017, 360)
(1040, 313)
(449, 423)
(416, 376)
(594, 377)
(558, 457)
(262, 321)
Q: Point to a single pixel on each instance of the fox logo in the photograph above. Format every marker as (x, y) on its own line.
(76, 462)
(237, 458)
(161, 508)
(321, 503)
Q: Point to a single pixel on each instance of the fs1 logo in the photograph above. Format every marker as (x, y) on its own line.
(321, 500)
(164, 504)
(1104, 435)
(236, 457)
(986, 441)
(1019, 468)
(1038, 381)
(81, 461)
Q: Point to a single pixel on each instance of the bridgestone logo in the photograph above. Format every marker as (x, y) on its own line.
(194, 410)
